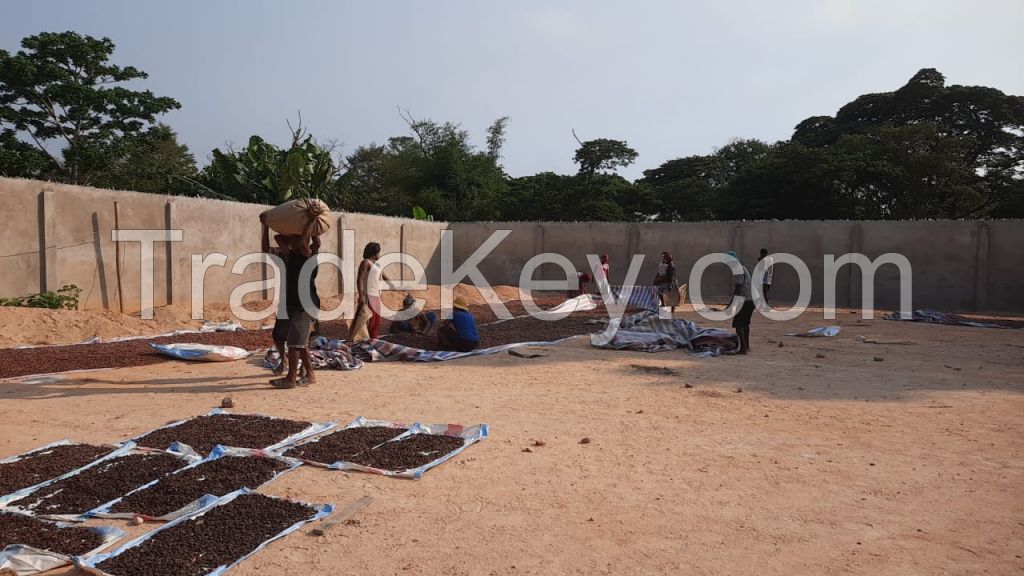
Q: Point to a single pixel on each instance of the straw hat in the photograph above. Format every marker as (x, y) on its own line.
(461, 304)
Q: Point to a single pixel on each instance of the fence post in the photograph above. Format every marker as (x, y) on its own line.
(981, 269)
(169, 250)
(46, 212)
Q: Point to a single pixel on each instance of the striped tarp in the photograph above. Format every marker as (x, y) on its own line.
(646, 332)
(640, 297)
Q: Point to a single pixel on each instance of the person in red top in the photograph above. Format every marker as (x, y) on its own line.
(583, 278)
(605, 269)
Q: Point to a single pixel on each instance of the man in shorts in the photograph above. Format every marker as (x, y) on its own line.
(741, 288)
(300, 320)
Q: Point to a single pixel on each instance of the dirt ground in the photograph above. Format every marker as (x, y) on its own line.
(813, 458)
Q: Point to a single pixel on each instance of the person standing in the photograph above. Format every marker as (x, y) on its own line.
(604, 272)
(367, 320)
(665, 282)
(300, 319)
(741, 288)
(769, 265)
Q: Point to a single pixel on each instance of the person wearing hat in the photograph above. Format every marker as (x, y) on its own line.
(741, 288)
(459, 333)
(419, 324)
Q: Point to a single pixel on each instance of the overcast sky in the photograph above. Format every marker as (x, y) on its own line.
(672, 78)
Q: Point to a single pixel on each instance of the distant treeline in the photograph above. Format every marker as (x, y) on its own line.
(926, 150)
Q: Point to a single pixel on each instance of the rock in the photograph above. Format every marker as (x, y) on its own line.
(539, 443)
(819, 355)
(879, 359)
(639, 411)
(585, 440)
(687, 385)
(227, 402)
(137, 520)
(527, 450)
(780, 344)
(738, 389)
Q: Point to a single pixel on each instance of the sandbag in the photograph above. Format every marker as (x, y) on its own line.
(307, 217)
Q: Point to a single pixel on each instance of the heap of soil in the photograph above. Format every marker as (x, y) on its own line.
(44, 465)
(202, 433)
(29, 531)
(410, 452)
(344, 444)
(216, 477)
(100, 484)
(218, 538)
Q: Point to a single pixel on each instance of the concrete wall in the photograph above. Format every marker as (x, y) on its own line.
(56, 234)
(957, 265)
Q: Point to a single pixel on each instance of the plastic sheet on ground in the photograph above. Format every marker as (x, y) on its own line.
(201, 352)
(115, 451)
(382, 350)
(196, 505)
(326, 354)
(312, 429)
(24, 503)
(930, 316)
(469, 435)
(641, 297)
(359, 422)
(646, 332)
(818, 332)
(22, 560)
(88, 564)
(207, 327)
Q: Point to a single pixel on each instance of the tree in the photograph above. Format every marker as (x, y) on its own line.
(266, 174)
(691, 188)
(436, 168)
(61, 93)
(989, 122)
(150, 161)
(602, 155)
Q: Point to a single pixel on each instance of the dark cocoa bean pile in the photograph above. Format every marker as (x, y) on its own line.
(217, 538)
(28, 531)
(343, 444)
(47, 464)
(410, 452)
(46, 359)
(100, 484)
(217, 477)
(239, 430)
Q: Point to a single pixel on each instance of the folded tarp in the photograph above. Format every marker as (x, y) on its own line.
(646, 332)
(88, 565)
(930, 316)
(115, 451)
(201, 352)
(327, 354)
(191, 508)
(20, 560)
(640, 297)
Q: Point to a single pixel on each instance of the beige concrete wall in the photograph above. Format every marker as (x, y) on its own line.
(957, 265)
(74, 224)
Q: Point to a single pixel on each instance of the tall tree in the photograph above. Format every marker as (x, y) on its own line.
(61, 93)
(988, 124)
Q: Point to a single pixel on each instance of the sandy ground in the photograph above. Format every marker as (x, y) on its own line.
(813, 458)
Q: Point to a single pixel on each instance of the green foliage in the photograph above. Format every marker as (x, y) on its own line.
(66, 298)
(265, 174)
(603, 155)
(436, 168)
(60, 90)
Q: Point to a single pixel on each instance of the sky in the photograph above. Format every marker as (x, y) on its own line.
(672, 78)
